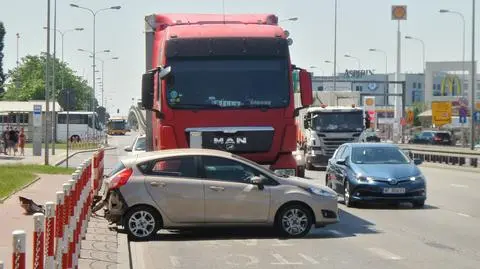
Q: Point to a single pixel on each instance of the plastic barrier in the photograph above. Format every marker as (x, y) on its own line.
(58, 234)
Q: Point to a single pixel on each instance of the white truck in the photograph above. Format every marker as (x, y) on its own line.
(333, 119)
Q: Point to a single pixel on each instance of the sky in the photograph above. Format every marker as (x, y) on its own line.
(361, 25)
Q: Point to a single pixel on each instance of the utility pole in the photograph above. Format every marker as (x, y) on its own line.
(47, 85)
(54, 87)
(474, 82)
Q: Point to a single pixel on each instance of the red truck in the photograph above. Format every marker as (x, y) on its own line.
(222, 82)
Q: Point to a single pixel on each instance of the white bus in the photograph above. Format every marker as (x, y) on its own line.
(80, 127)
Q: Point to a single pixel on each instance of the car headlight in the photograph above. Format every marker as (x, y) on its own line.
(417, 178)
(285, 172)
(322, 192)
(364, 179)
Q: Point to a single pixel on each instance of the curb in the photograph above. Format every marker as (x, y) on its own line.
(123, 249)
(19, 189)
(78, 152)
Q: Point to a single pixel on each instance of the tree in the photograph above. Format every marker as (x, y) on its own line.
(31, 74)
(101, 114)
(418, 108)
(2, 75)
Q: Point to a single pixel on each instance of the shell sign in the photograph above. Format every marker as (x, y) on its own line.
(399, 13)
(369, 103)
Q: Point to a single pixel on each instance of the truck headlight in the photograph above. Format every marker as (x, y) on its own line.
(322, 192)
(285, 172)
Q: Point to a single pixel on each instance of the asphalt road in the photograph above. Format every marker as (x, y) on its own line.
(445, 234)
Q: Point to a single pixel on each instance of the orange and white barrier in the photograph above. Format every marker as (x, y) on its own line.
(58, 234)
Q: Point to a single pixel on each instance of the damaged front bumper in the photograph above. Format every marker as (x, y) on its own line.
(114, 206)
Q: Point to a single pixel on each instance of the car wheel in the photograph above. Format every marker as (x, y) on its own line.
(347, 195)
(142, 222)
(418, 204)
(295, 221)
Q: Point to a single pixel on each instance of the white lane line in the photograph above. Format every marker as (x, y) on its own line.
(335, 232)
(459, 186)
(282, 261)
(308, 258)
(464, 215)
(174, 261)
(384, 254)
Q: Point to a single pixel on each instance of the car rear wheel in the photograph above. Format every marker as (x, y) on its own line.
(295, 221)
(142, 222)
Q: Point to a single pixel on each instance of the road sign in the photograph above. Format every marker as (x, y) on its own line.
(37, 115)
(403, 121)
(399, 13)
(476, 116)
(410, 116)
(441, 113)
(369, 103)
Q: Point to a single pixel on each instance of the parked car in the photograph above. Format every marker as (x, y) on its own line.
(138, 146)
(433, 138)
(369, 135)
(376, 172)
(182, 188)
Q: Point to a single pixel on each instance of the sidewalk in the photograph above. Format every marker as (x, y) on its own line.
(60, 154)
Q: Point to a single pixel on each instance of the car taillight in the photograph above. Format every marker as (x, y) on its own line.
(436, 138)
(120, 179)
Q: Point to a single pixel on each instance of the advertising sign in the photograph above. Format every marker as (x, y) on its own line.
(369, 103)
(399, 13)
(441, 113)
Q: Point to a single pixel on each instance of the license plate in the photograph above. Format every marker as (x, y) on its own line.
(394, 190)
(445, 140)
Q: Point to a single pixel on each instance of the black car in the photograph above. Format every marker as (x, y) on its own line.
(433, 138)
(375, 172)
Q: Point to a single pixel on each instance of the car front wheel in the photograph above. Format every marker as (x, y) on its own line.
(142, 222)
(295, 221)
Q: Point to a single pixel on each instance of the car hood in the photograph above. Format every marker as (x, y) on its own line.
(304, 183)
(387, 170)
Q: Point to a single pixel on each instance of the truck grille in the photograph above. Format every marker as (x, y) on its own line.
(332, 144)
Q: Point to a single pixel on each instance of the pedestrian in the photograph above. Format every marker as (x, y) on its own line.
(5, 141)
(21, 141)
(13, 141)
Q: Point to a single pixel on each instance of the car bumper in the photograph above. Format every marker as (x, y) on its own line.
(375, 195)
(326, 213)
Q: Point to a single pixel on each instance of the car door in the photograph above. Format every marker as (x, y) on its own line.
(342, 170)
(175, 185)
(334, 172)
(229, 196)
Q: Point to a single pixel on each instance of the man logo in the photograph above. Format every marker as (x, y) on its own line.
(453, 82)
(230, 142)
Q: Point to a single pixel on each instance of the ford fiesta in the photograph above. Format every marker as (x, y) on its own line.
(184, 188)
(376, 172)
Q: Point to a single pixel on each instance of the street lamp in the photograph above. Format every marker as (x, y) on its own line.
(423, 49)
(316, 67)
(290, 19)
(54, 122)
(386, 72)
(352, 57)
(463, 41)
(94, 15)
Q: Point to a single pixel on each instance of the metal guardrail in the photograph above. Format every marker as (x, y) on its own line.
(444, 155)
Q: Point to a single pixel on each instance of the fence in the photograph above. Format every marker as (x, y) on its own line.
(58, 233)
(444, 155)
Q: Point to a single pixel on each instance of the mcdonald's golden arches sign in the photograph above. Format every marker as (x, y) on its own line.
(451, 83)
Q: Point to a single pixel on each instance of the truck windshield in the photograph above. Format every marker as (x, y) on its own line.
(338, 122)
(219, 83)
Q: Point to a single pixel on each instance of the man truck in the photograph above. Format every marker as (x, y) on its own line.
(222, 82)
(328, 124)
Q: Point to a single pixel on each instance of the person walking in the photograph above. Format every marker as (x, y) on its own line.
(5, 141)
(13, 141)
(21, 141)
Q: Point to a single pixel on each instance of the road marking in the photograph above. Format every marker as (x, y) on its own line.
(247, 242)
(464, 215)
(281, 243)
(335, 232)
(385, 254)
(282, 261)
(459, 186)
(251, 260)
(175, 261)
(308, 258)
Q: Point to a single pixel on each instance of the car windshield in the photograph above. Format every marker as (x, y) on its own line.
(140, 145)
(378, 155)
(342, 121)
(228, 83)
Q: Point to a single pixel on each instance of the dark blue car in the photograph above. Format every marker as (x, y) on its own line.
(376, 172)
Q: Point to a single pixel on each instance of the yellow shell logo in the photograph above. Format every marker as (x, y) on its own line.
(399, 12)
(369, 102)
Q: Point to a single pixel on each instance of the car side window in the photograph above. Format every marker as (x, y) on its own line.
(171, 167)
(227, 170)
(345, 153)
(338, 153)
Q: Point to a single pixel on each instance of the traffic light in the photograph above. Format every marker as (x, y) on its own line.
(118, 111)
(367, 120)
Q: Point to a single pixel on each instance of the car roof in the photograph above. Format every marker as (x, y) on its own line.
(167, 153)
(372, 145)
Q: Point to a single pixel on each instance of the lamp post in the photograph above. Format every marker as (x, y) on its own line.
(47, 85)
(54, 122)
(464, 92)
(423, 49)
(386, 72)
(94, 15)
(335, 49)
(290, 19)
(474, 82)
(316, 67)
(352, 57)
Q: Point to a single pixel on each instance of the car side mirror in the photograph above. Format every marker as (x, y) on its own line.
(417, 161)
(341, 162)
(259, 181)
(128, 149)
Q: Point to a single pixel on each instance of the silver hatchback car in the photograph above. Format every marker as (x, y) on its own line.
(186, 188)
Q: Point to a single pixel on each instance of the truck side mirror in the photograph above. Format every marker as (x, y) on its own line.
(148, 88)
(306, 90)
